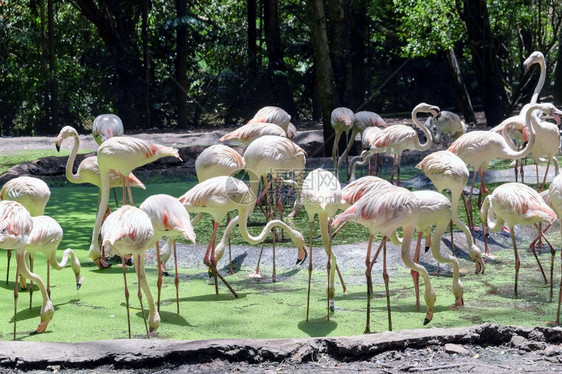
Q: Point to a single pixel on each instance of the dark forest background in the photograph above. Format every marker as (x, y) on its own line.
(185, 64)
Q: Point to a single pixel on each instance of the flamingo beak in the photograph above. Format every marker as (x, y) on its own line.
(304, 254)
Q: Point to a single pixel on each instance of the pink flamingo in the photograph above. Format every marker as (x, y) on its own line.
(385, 211)
(128, 230)
(397, 138)
(362, 121)
(251, 131)
(219, 195)
(169, 219)
(276, 115)
(275, 156)
(33, 194)
(123, 154)
(106, 126)
(448, 172)
(515, 204)
(555, 199)
(321, 196)
(45, 238)
(15, 226)
(369, 136)
(342, 122)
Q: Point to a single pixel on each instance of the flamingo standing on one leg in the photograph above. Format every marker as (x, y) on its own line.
(448, 172)
(128, 230)
(515, 204)
(321, 195)
(170, 219)
(385, 211)
(122, 154)
(15, 226)
(106, 126)
(33, 194)
(397, 138)
(341, 120)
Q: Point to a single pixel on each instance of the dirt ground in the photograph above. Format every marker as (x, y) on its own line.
(479, 349)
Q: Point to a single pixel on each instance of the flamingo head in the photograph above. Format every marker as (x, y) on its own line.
(534, 58)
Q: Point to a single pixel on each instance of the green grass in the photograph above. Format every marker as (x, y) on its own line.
(264, 309)
(11, 159)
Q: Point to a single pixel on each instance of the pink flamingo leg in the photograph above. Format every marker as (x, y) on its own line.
(159, 281)
(124, 266)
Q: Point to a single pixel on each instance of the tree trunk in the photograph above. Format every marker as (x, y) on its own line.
(463, 98)
(53, 87)
(484, 48)
(558, 75)
(252, 38)
(280, 88)
(181, 65)
(359, 40)
(323, 70)
(146, 62)
(339, 40)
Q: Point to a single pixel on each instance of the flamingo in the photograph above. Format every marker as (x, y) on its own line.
(214, 161)
(448, 172)
(547, 142)
(321, 196)
(515, 204)
(362, 121)
(274, 155)
(45, 237)
(217, 196)
(555, 198)
(436, 209)
(369, 136)
(341, 120)
(170, 219)
(385, 211)
(123, 154)
(88, 170)
(15, 226)
(446, 123)
(128, 230)
(33, 194)
(276, 115)
(251, 131)
(397, 138)
(479, 148)
(106, 126)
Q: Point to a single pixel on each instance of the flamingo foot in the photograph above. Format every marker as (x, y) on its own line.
(490, 256)
(255, 274)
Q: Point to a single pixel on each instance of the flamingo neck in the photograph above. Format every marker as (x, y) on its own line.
(540, 83)
(74, 178)
(429, 139)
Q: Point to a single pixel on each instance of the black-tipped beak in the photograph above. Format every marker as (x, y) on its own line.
(427, 248)
(57, 146)
(301, 261)
(78, 285)
(426, 321)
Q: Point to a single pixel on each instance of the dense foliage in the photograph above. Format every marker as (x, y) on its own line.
(65, 61)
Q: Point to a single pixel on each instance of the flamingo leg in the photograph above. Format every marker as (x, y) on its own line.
(310, 228)
(274, 275)
(452, 239)
(385, 278)
(517, 261)
(30, 281)
(124, 266)
(468, 204)
(532, 247)
(49, 277)
(16, 294)
(176, 278)
(210, 261)
(9, 254)
(545, 175)
(331, 291)
(370, 286)
(159, 281)
(559, 294)
(338, 229)
(230, 269)
(139, 293)
(393, 166)
(552, 255)
(399, 162)
(415, 275)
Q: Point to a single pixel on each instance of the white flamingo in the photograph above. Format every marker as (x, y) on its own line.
(106, 126)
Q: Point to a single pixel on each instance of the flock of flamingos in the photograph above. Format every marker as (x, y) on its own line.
(380, 205)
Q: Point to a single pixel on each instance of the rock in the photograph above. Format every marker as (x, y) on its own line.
(518, 341)
(455, 348)
(552, 350)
